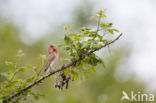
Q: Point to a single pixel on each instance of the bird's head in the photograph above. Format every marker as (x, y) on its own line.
(52, 49)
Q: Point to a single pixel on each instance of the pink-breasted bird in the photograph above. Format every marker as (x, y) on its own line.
(53, 56)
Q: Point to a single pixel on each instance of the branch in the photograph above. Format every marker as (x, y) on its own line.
(71, 64)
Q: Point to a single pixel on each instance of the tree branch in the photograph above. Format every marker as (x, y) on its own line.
(71, 64)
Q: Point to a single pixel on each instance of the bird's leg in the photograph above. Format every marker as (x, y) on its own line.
(51, 69)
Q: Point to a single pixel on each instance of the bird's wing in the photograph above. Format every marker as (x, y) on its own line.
(51, 58)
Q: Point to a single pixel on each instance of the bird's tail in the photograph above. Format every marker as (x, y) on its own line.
(46, 69)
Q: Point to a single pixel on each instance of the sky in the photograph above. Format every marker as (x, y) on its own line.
(134, 18)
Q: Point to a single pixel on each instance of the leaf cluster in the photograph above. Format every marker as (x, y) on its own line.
(88, 39)
(13, 83)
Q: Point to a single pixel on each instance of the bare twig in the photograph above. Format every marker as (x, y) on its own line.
(71, 64)
(13, 76)
(38, 74)
(14, 73)
(98, 26)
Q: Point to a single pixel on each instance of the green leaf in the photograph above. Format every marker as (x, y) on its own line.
(100, 13)
(67, 27)
(110, 31)
(104, 66)
(11, 84)
(36, 97)
(29, 79)
(85, 74)
(100, 37)
(95, 46)
(104, 41)
(102, 62)
(21, 70)
(68, 40)
(103, 24)
(66, 71)
(109, 24)
(115, 30)
(60, 45)
(85, 45)
(92, 69)
(36, 69)
(80, 66)
(74, 74)
(68, 48)
(72, 54)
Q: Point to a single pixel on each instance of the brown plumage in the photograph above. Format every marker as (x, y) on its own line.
(52, 58)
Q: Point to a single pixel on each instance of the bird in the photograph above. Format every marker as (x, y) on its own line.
(53, 56)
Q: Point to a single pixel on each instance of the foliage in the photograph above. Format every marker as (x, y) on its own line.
(89, 39)
(13, 84)
(75, 44)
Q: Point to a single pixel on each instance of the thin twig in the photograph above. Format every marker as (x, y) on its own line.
(14, 73)
(71, 64)
(13, 76)
(38, 74)
(99, 20)
(98, 26)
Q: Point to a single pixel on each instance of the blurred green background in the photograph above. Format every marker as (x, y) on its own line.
(104, 86)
